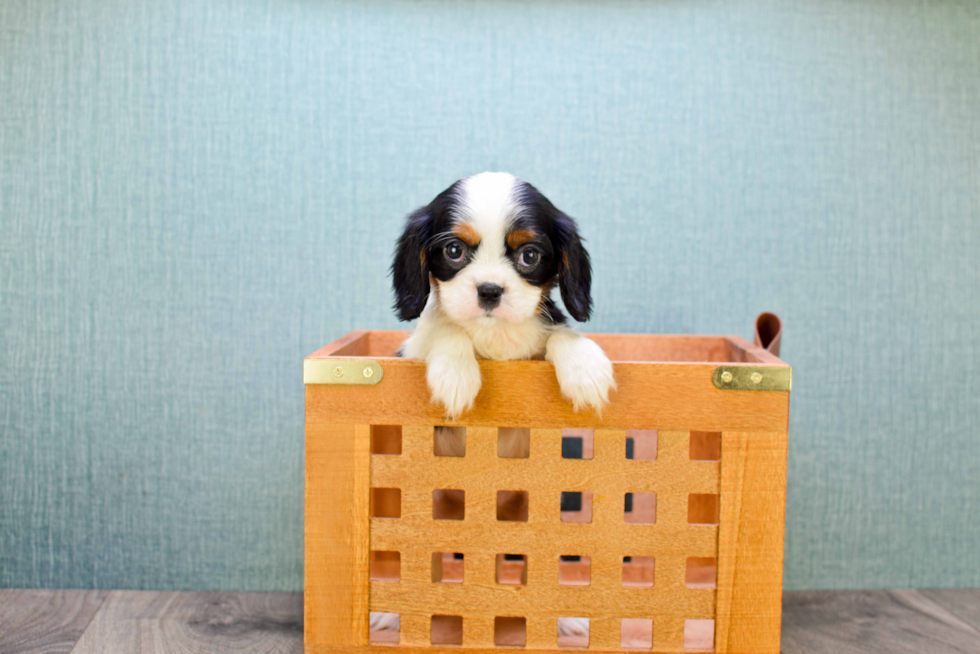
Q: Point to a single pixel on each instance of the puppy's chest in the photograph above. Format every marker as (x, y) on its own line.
(508, 342)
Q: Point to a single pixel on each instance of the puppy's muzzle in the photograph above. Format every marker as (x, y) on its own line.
(489, 296)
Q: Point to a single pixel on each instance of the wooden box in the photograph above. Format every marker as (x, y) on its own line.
(661, 522)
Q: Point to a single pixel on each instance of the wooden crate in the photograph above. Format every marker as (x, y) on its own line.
(716, 542)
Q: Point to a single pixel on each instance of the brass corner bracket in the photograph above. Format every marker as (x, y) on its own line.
(753, 378)
(344, 372)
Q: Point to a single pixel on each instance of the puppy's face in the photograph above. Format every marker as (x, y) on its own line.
(492, 247)
(494, 262)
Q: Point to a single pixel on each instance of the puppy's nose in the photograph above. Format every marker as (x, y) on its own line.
(489, 295)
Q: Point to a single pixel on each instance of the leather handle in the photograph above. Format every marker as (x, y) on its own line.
(768, 332)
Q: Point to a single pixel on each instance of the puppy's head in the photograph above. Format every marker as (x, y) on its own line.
(493, 247)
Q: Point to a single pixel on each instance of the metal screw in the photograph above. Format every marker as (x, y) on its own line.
(756, 378)
(338, 371)
(726, 377)
(368, 372)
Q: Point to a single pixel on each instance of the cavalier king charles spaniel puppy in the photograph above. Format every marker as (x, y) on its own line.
(476, 266)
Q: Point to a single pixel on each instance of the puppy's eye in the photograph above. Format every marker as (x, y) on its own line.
(455, 251)
(529, 257)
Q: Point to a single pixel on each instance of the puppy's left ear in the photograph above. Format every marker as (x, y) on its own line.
(410, 270)
(574, 270)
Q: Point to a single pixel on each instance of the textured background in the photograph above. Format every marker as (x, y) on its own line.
(194, 195)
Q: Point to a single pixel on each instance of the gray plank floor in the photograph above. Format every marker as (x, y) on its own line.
(86, 622)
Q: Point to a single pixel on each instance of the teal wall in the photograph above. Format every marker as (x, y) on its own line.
(194, 195)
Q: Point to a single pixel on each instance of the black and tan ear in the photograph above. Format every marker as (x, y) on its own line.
(410, 270)
(574, 270)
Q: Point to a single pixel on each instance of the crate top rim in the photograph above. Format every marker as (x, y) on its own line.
(356, 380)
(635, 349)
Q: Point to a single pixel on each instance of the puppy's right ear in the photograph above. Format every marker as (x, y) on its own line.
(410, 270)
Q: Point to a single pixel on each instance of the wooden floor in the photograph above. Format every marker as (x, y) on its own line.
(110, 622)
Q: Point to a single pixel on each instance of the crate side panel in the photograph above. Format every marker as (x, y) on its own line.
(750, 549)
(336, 534)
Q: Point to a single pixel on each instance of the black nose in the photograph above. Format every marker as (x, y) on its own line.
(489, 295)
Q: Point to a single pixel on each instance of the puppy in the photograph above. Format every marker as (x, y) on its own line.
(476, 266)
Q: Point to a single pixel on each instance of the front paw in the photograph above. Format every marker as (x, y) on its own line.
(454, 383)
(584, 373)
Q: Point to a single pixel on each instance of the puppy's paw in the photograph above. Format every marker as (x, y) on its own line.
(584, 372)
(569, 627)
(385, 622)
(454, 383)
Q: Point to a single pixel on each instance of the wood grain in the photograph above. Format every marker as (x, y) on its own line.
(217, 623)
(750, 542)
(664, 382)
(337, 554)
(857, 622)
(676, 396)
(544, 470)
(664, 385)
(45, 621)
(618, 347)
(816, 622)
(544, 474)
(964, 603)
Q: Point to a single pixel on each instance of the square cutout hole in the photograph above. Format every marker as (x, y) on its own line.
(699, 635)
(638, 571)
(447, 567)
(386, 439)
(574, 570)
(702, 572)
(512, 506)
(703, 509)
(385, 566)
(447, 630)
(386, 502)
(509, 632)
(449, 441)
(576, 506)
(511, 569)
(640, 508)
(641, 444)
(577, 443)
(513, 443)
(385, 627)
(636, 634)
(705, 446)
(448, 504)
(573, 633)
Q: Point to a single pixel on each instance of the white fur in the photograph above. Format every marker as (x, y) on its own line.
(454, 331)
(585, 374)
(573, 627)
(381, 622)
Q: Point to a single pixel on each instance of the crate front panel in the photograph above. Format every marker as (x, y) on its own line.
(673, 602)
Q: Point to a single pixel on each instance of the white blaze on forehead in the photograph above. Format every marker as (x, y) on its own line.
(488, 203)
